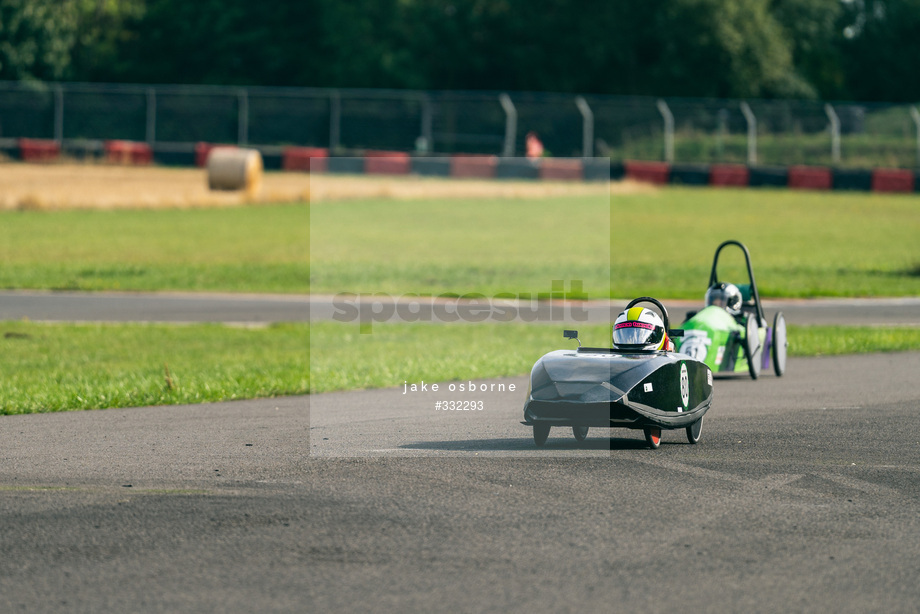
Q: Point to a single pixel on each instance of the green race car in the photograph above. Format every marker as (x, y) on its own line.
(731, 334)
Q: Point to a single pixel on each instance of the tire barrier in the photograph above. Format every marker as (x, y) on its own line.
(852, 179)
(244, 170)
(658, 173)
(38, 150)
(617, 170)
(732, 175)
(893, 180)
(690, 174)
(349, 166)
(473, 167)
(305, 159)
(810, 178)
(431, 167)
(231, 168)
(128, 152)
(517, 168)
(387, 163)
(601, 169)
(768, 177)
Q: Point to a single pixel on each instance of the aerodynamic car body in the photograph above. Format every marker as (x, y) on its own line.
(650, 390)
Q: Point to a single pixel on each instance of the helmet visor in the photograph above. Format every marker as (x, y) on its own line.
(727, 296)
(716, 297)
(633, 333)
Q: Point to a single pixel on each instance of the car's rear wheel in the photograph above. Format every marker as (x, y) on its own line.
(540, 433)
(580, 432)
(653, 437)
(779, 344)
(694, 430)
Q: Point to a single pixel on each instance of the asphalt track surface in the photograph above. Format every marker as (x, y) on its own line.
(802, 495)
(261, 309)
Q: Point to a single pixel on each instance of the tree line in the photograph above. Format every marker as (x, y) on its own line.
(809, 49)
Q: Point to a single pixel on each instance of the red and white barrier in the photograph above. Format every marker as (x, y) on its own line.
(306, 159)
(736, 175)
(658, 173)
(473, 167)
(561, 169)
(387, 163)
(38, 150)
(128, 152)
(892, 180)
(810, 178)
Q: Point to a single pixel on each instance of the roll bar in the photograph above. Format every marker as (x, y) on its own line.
(664, 313)
(714, 278)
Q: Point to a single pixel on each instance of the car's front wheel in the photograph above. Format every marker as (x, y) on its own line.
(540, 433)
(694, 430)
(752, 349)
(780, 344)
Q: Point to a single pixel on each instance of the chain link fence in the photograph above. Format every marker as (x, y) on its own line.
(348, 121)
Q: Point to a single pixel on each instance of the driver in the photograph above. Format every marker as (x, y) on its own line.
(725, 295)
(639, 328)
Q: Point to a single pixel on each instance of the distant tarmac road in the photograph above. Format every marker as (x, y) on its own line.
(260, 309)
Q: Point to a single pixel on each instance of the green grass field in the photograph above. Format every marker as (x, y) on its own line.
(803, 244)
(57, 367)
(238, 249)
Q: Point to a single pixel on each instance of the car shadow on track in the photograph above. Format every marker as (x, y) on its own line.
(527, 444)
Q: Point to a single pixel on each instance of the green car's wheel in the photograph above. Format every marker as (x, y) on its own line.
(694, 430)
(653, 437)
(540, 433)
(779, 344)
(752, 347)
(580, 432)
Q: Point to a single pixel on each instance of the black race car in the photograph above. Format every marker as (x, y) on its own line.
(650, 390)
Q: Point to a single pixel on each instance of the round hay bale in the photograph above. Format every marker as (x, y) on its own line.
(231, 168)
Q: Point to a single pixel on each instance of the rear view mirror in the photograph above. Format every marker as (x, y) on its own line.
(572, 334)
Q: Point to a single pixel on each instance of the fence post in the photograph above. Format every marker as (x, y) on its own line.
(510, 124)
(835, 132)
(668, 130)
(426, 133)
(151, 115)
(242, 136)
(722, 116)
(915, 115)
(335, 119)
(587, 127)
(58, 113)
(751, 120)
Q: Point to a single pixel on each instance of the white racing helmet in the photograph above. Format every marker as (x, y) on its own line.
(725, 295)
(639, 328)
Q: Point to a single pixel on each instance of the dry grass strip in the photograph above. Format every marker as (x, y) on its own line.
(100, 186)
